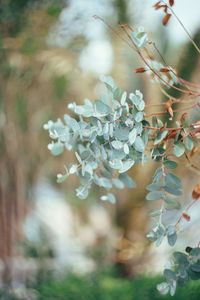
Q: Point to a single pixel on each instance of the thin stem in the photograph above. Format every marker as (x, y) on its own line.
(169, 129)
(154, 104)
(175, 100)
(186, 108)
(166, 64)
(182, 99)
(191, 164)
(181, 80)
(162, 180)
(163, 104)
(166, 94)
(190, 205)
(176, 110)
(136, 48)
(189, 83)
(187, 208)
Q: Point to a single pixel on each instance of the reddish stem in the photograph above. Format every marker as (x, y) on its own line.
(187, 208)
(176, 110)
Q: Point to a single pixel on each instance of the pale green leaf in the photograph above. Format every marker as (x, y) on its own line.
(102, 107)
(132, 136)
(139, 144)
(178, 149)
(118, 183)
(155, 186)
(117, 144)
(156, 195)
(56, 148)
(169, 164)
(127, 180)
(160, 137)
(189, 144)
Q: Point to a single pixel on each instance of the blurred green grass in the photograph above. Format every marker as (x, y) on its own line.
(107, 287)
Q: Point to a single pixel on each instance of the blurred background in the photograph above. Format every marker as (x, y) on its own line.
(53, 245)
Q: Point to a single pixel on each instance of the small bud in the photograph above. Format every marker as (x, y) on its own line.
(166, 19)
(186, 216)
(196, 192)
(140, 70)
(164, 70)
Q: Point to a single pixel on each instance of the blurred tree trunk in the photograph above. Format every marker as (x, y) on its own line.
(121, 9)
(20, 152)
(12, 184)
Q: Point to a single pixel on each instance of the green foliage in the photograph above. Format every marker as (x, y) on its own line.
(21, 108)
(12, 14)
(121, 6)
(186, 266)
(106, 286)
(54, 11)
(60, 86)
(29, 47)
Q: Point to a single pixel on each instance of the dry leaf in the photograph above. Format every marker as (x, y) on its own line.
(171, 134)
(169, 109)
(164, 70)
(182, 119)
(151, 57)
(186, 216)
(163, 127)
(158, 3)
(140, 70)
(196, 192)
(166, 19)
(193, 151)
(197, 124)
(160, 6)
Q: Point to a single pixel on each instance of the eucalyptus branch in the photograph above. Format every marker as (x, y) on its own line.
(112, 134)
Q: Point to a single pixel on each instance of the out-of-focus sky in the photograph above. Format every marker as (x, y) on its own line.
(187, 11)
(76, 19)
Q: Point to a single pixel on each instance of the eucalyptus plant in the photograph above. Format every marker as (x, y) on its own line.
(112, 134)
